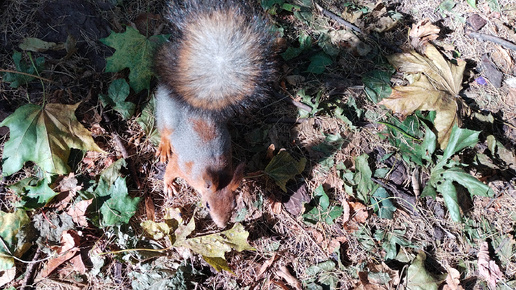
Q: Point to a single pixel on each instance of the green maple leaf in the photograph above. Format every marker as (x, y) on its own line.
(133, 51)
(45, 136)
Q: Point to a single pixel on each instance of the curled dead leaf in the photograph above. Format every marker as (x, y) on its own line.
(487, 268)
(422, 33)
(284, 273)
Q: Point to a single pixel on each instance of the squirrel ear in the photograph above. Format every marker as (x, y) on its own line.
(238, 175)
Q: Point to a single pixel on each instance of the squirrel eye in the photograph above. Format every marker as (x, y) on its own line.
(207, 205)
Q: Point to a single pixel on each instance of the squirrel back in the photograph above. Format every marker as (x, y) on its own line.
(218, 62)
(219, 59)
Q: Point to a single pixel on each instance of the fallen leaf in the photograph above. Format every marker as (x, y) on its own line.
(418, 277)
(295, 204)
(359, 211)
(436, 83)
(78, 212)
(422, 33)
(44, 135)
(284, 167)
(487, 268)
(7, 276)
(67, 249)
(265, 266)
(452, 280)
(284, 273)
(276, 207)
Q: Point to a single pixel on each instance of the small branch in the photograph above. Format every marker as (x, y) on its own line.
(29, 273)
(486, 37)
(337, 18)
(25, 74)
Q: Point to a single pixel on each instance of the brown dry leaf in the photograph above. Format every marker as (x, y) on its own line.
(502, 59)
(437, 82)
(265, 266)
(452, 280)
(67, 250)
(295, 204)
(364, 283)
(360, 212)
(7, 276)
(276, 207)
(68, 188)
(284, 273)
(78, 212)
(422, 33)
(487, 268)
(346, 211)
(150, 209)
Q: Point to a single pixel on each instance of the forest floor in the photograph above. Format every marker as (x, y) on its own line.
(349, 184)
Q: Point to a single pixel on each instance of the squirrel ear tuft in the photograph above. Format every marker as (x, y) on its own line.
(238, 175)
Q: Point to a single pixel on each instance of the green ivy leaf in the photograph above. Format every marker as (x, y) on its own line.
(37, 196)
(473, 185)
(284, 167)
(362, 179)
(28, 69)
(120, 207)
(146, 121)
(382, 204)
(133, 51)
(117, 93)
(459, 139)
(318, 63)
(377, 85)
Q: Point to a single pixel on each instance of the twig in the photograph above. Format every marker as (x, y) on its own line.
(492, 38)
(337, 18)
(29, 273)
(25, 74)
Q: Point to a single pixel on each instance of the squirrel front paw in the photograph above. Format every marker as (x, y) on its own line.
(164, 149)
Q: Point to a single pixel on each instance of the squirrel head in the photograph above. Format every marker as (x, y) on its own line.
(219, 197)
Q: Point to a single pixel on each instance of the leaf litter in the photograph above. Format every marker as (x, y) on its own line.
(354, 242)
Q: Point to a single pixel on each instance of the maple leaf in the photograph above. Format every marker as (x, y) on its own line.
(436, 83)
(133, 51)
(45, 136)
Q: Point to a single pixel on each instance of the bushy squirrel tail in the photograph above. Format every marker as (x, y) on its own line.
(220, 57)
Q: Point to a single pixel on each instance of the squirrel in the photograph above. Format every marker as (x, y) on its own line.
(218, 64)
